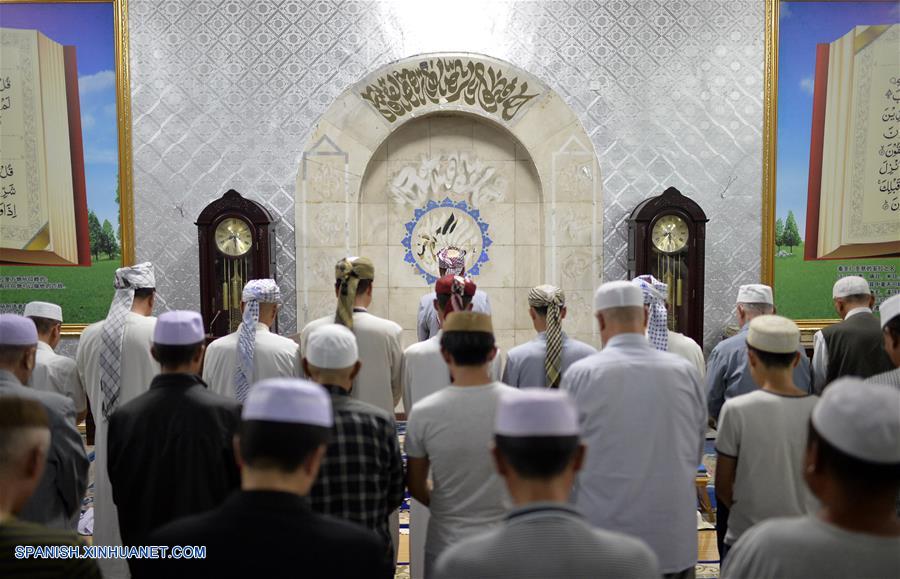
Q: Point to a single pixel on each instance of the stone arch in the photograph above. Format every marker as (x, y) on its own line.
(344, 148)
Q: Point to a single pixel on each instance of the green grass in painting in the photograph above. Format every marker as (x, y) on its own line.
(88, 292)
(803, 288)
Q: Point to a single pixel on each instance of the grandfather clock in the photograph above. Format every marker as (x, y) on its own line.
(237, 237)
(667, 238)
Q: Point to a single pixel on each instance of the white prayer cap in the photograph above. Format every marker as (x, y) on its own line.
(755, 293)
(43, 310)
(178, 328)
(332, 347)
(889, 309)
(536, 412)
(290, 400)
(850, 286)
(618, 294)
(774, 334)
(860, 419)
(17, 330)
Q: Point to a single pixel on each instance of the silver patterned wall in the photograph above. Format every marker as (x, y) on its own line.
(224, 95)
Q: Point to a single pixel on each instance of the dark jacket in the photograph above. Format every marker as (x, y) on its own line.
(268, 534)
(855, 348)
(171, 454)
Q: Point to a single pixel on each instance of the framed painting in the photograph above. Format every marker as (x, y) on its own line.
(831, 162)
(66, 214)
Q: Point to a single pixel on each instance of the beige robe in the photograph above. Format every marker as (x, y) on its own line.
(137, 371)
(379, 380)
(55, 373)
(274, 357)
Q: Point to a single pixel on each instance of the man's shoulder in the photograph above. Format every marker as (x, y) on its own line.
(28, 533)
(522, 350)
(222, 342)
(423, 348)
(368, 321)
(273, 340)
(731, 344)
(56, 404)
(579, 346)
(470, 556)
(778, 534)
(354, 408)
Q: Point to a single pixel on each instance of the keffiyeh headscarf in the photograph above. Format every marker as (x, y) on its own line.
(452, 260)
(457, 287)
(257, 291)
(126, 281)
(349, 271)
(655, 293)
(552, 298)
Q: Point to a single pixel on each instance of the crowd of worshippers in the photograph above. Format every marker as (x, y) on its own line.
(279, 453)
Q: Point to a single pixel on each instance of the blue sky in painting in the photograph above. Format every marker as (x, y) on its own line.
(88, 27)
(802, 26)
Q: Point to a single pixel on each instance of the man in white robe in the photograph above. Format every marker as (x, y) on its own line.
(658, 332)
(379, 381)
(643, 418)
(253, 352)
(451, 261)
(424, 373)
(52, 372)
(115, 366)
(544, 360)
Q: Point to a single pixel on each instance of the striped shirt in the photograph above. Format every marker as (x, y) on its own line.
(891, 378)
(542, 540)
(14, 532)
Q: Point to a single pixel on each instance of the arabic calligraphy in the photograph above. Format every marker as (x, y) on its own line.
(463, 174)
(889, 172)
(444, 81)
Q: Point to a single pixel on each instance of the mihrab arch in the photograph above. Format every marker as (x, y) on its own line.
(348, 141)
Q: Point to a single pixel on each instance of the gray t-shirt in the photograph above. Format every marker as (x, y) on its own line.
(454, 428)
(766, 433)
(542, 540)
(809, 547)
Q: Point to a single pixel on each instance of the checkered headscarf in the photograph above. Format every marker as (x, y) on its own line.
(552, 298)
(256, 291)
(655, 293)
(126, 281)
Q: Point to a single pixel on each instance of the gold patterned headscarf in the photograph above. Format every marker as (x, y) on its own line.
(552, 298)
(349, 271)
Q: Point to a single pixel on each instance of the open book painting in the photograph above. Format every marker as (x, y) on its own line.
(43, 206)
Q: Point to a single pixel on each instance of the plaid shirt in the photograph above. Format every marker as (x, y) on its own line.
(361, 477)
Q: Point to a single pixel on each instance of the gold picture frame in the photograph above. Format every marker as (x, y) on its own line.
(123, 121)
(773, 20)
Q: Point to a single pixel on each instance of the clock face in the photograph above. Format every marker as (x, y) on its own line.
(233, 237)
(670, 234)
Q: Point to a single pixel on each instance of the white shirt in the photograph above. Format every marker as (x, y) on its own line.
(681, 345)
(425, 372)
(55, 373)
(525, 363)
(273, 357)
(643, 419)
(453, 429)
(810, 547)
(427, 321)
(381, 354)
(766, 432)
(137, 370)
(820, 354)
